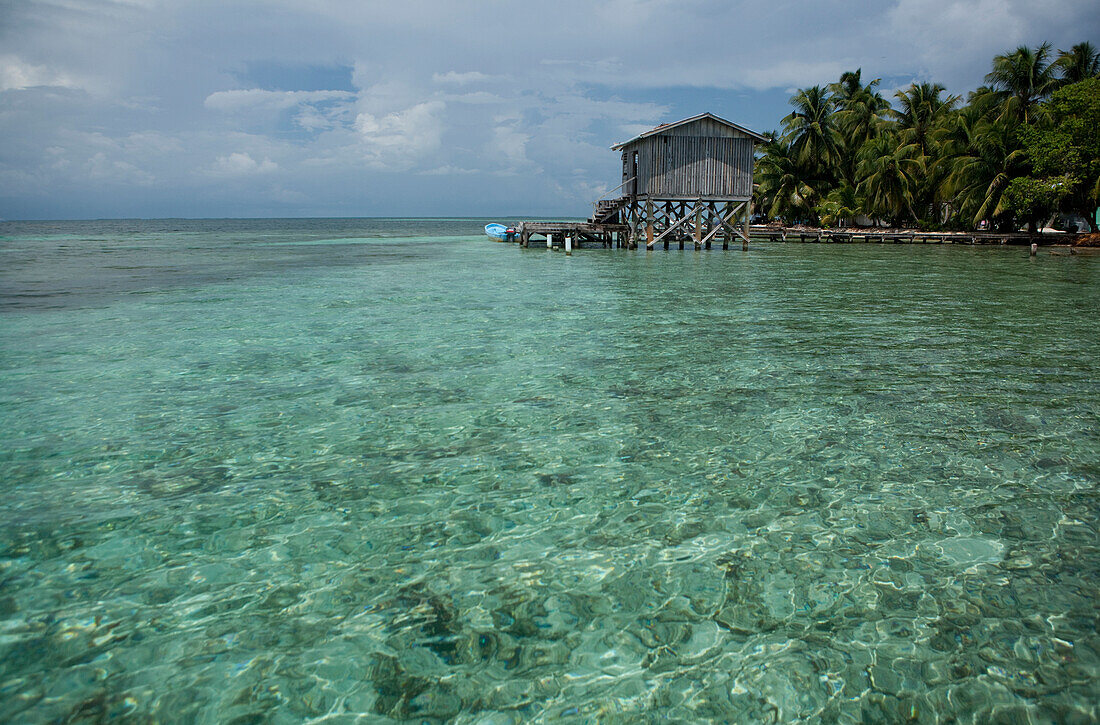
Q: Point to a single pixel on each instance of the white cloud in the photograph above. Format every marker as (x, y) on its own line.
(397, 141)
(793, 73)
(461, 79)
(953, 41)
(943, 25)
(101, 168)
(289, 196)
(509, 146)
(480, 98)
(255, 98)
(239, 163)
(16, 75)
(166, 94)
(449, 170)
(630, 130)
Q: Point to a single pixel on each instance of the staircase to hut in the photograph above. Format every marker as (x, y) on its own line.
(607, 210)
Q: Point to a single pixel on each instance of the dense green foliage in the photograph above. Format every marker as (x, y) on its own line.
(1065, 150)
(1023, 147)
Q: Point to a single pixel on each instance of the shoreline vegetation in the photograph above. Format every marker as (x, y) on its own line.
(1021, 153)
(778, 232)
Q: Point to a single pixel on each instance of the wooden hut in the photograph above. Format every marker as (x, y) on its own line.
(686, 180)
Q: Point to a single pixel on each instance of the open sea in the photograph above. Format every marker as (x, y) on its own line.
(382, 470)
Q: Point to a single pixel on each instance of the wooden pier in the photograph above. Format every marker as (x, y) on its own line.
(572, 234)
(569, 235)
(871, 235)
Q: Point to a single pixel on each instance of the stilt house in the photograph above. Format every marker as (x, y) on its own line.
(689, 179)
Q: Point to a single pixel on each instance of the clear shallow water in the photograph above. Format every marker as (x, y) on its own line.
(375, 470)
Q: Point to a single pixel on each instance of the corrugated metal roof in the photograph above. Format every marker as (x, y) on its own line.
(667, 126)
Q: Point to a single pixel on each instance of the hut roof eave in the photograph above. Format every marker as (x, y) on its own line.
(667, 126)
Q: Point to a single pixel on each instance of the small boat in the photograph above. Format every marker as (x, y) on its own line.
(499, 232)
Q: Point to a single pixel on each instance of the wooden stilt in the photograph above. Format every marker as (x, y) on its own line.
(649, 224)
(698, 224)
(748, 220)
(709, 225)
(671, 228)
(725, 234)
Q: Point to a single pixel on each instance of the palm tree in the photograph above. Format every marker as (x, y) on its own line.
(812, 133)
(841, 206)
(861, 111)
(922, 111)
(1021, 80)
(987, 100)
(1079, 63)
(922, 114)
(889, 171)
(785, 187)
(980, 157)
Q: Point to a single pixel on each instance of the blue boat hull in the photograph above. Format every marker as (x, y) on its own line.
(496, 232)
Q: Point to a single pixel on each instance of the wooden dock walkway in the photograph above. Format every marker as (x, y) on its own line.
(572, 233)
(575, 234)
(871, 235)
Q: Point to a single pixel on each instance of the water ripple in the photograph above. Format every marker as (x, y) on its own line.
(453, 481)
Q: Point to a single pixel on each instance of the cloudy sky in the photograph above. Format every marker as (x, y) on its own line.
(216, 108)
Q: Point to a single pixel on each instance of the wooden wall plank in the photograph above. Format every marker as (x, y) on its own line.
(704, 158)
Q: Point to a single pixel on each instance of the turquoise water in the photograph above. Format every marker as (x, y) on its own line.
(386, 470)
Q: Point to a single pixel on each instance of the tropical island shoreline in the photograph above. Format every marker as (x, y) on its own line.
(1021, 152)
(901, 235)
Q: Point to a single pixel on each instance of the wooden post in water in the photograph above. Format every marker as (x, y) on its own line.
(648, 223)
(748, 220)
(698, 224)
(568, 244)
(549, 240)
(725, 233)
(710, 224)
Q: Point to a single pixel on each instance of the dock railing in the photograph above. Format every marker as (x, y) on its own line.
(604, 196)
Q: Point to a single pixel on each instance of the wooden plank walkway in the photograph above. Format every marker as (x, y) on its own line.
(899, 236)
(573, 234)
